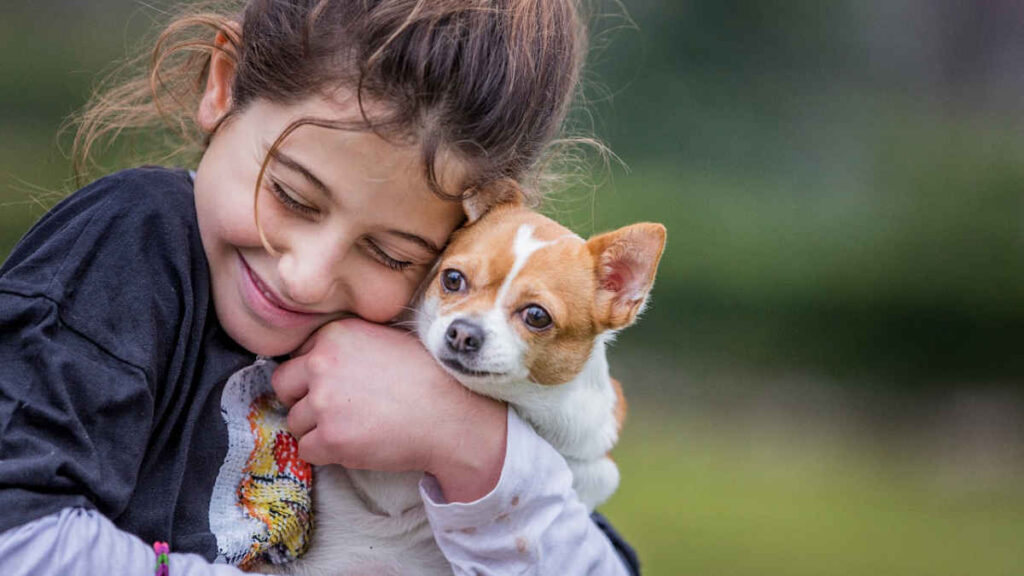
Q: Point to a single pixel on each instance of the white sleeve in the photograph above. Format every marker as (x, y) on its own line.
(531, 523)
(77, 541)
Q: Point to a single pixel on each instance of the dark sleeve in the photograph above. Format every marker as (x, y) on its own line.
(89, 300)
(73, 419)
(626, 552)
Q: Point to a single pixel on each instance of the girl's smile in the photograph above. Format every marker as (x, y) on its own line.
(266, 305)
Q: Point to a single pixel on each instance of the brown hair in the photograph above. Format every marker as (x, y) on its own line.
(490, 81)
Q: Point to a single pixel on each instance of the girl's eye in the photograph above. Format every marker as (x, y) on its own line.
(384, 258)
(453, 281)
(290, 202)
(535, 317)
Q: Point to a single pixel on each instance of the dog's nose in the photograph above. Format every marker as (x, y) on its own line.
(464, 336)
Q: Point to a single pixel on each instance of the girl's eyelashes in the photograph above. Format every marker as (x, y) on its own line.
(290, 202)
(375, 251)
(381, 256)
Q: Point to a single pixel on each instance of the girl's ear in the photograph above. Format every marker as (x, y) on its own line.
(216, 100)
(483, 198)
(625, 263)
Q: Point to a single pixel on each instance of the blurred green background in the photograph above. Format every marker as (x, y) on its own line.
(828, 379)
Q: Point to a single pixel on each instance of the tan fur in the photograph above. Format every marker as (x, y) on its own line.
(576, 296)
(482, 252)
(620, 403)
(620, 410)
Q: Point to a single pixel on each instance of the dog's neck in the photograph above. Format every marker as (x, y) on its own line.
(577, 417)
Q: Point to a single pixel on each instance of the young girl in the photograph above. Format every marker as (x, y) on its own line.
(339, 136)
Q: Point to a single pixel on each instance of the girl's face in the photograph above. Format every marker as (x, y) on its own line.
(351, 219)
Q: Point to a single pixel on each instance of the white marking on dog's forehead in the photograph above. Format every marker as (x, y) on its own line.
(523, 247)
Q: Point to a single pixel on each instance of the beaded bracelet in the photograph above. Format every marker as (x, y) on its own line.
(161, 549)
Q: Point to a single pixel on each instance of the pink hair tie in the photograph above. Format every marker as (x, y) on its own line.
(161, 549)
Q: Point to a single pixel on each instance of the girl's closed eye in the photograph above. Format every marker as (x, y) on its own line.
(289, 200)
(378, 254)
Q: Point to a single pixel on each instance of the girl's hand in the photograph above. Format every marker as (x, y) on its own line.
(371, 397)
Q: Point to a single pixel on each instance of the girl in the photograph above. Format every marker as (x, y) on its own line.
(337, 135)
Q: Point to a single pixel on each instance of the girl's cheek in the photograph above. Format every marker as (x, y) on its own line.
(383, 298)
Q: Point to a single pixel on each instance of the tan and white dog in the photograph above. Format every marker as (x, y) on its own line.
(520, 309)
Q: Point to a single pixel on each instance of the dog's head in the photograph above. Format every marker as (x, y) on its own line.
(518, 297)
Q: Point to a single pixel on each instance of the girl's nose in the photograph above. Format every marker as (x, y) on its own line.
(310, 271)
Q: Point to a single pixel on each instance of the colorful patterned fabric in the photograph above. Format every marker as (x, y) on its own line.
(261, 509)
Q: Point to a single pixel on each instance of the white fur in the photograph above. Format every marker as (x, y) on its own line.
(355, 533)
(374, 522)
(577, 418)
(524, 247)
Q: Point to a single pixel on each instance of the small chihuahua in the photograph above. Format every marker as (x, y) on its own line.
(520, 309)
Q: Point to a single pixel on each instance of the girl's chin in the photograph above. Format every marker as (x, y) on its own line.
(264, 341)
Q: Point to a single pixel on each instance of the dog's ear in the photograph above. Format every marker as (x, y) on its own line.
(625, 262)
(482, 198)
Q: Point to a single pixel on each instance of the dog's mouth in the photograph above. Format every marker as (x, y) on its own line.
(461, 368)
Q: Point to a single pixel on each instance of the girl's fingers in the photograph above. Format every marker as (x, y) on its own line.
(301, 419)
(291, 380)
(313, 449)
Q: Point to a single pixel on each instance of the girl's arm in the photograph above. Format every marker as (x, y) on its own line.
(80, 541)
(370, 397)
(531, 523)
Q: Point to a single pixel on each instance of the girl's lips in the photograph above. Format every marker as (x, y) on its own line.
(262, 301)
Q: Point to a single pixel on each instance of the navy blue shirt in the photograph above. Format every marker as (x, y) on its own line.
(112, 364)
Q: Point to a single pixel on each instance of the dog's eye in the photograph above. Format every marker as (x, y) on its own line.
(453, 281)
(536, 317)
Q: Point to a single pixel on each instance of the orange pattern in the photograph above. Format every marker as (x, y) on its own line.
(275, 488)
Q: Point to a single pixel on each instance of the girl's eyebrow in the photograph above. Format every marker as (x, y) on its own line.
(294, 164)
(434, 249)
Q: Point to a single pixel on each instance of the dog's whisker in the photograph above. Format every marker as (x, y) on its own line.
(405, 324)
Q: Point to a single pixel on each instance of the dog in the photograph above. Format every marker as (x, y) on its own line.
(520, 309)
